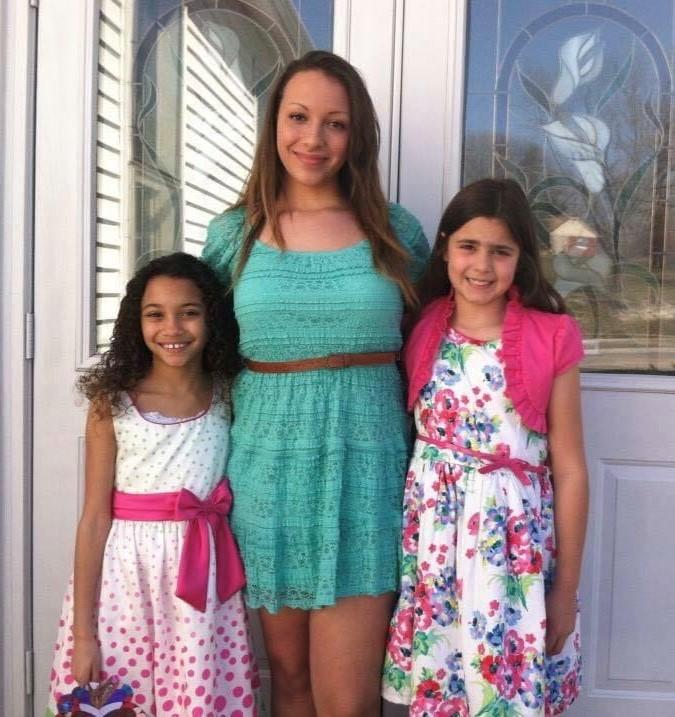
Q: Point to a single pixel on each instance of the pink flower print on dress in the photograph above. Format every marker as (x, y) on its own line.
(423, 611)
(455, 707)
(400, 636)
(411, 535)
(429, 689)
(517, 530)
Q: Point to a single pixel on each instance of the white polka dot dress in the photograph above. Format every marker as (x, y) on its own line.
(179, 662)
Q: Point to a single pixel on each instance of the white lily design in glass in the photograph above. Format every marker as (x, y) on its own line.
(580, 183)
(582, 139)
(580, 62)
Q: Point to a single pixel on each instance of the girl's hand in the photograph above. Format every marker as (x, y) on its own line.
(561, 617)
(86, 662)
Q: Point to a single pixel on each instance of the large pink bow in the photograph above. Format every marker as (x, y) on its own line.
(193, 573)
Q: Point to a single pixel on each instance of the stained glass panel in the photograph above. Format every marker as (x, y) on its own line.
(574, 100)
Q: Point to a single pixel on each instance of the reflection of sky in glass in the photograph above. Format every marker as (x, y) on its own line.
(500, 24)
(149, 10)
(317, 16)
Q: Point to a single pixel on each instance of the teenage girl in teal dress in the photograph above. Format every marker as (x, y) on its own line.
(322, 270)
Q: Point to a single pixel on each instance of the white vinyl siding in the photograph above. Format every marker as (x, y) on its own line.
(111, 229)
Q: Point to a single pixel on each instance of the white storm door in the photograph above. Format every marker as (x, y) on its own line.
(147, 117)
(63, 206)
(574, 101)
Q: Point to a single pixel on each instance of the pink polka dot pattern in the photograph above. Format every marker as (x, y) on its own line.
(178, 660)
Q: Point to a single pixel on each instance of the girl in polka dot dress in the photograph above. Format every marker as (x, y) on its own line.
(155, 600)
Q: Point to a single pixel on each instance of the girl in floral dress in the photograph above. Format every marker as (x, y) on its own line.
(496, 494)
(154, 619)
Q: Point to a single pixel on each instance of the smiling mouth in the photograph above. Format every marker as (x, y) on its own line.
(479, 282)
(310, 158)
(175, 346)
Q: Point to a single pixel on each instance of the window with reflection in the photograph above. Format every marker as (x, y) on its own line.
(181, 89)
(573, 100)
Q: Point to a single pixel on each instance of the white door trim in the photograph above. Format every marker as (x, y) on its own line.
(627, 382)
(431, 112)
(63, 206)
(370, 36)
(454, 97)
(17, 81)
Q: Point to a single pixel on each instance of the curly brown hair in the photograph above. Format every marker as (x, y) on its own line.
(495, 199)
(128, 360)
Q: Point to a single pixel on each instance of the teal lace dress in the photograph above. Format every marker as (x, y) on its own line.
(318, 458)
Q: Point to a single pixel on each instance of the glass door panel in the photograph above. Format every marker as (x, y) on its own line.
(181, 91)
(573, 100)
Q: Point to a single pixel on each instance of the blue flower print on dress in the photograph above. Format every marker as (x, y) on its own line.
(493, 545)
(443, 597)
(449, 376)
(512, 615)
(477, 625)
(454, 661)
(494, 377)
(476, 429)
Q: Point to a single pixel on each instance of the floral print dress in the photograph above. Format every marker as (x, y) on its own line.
(467, 637)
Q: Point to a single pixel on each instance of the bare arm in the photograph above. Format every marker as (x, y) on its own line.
(570, 490)
(92, 533)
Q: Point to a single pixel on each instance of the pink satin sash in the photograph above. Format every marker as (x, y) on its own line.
(193, 572)
(493, 461)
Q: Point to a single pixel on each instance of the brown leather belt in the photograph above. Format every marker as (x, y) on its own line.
(332, 361)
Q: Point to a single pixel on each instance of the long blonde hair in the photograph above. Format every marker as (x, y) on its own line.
(358, 178)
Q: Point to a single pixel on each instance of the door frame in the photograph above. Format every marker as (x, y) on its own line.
(370, 36)
(17, 83)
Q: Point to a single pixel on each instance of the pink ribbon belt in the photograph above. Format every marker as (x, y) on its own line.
(193, 572)
(493, 461)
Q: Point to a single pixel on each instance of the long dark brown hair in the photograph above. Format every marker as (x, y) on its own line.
(494, 199)
(128, 359)
(358, 179)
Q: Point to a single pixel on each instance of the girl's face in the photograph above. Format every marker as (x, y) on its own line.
(482, 257)
(173, 322)
(313, 129)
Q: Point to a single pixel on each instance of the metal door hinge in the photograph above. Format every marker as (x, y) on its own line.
(28, 671)
(34, 3)
(29, 336)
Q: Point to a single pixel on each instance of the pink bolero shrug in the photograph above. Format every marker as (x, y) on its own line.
(536, 347)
